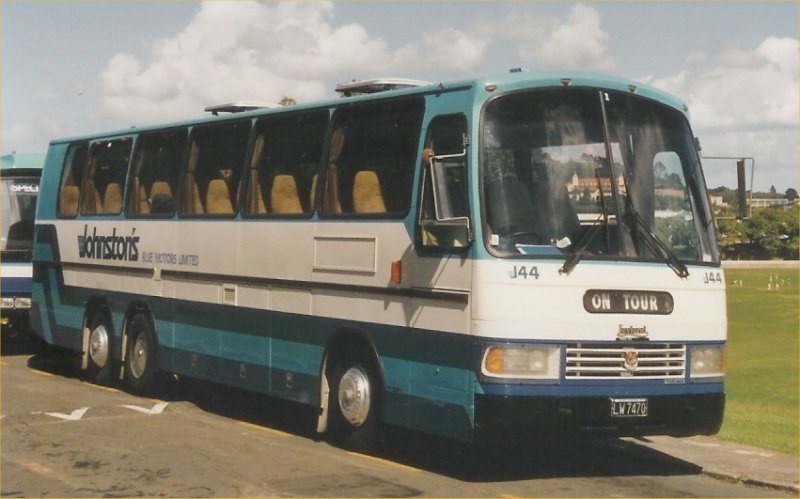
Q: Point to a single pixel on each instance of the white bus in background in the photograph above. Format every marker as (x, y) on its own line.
(522, 255)
(19, 187)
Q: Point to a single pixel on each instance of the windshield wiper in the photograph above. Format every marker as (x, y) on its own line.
(580, 247)
(634, 221)
(587, 237)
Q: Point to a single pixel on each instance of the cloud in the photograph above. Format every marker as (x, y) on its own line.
(578, 42)
(234, 51)
(226, 53)
(741, 88)
(263, 52)
(24, 134)
(744, 103)
(455, 51)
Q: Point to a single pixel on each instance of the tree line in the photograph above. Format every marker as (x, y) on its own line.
(768, 234)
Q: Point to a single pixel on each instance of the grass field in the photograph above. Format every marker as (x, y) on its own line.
(762, 377)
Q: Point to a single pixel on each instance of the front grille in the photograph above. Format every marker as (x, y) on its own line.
(618, 360)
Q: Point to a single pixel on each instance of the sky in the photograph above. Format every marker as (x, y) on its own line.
(69, 68)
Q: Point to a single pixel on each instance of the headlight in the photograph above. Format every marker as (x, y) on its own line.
(8, 302)
(22, 302)
(521, 362)
(707, 361)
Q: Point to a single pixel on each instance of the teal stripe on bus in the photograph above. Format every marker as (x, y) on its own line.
(428, 375)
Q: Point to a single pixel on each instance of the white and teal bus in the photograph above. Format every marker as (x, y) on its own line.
(526, 254)
(19, 187)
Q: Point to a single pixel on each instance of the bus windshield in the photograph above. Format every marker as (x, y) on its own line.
(18, 196)
(591, 173)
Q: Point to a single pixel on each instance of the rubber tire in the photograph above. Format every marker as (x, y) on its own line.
(141, 363)
(341, 432)
(95, 373)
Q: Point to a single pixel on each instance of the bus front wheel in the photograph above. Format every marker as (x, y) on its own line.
(353, 402)
(140, 357)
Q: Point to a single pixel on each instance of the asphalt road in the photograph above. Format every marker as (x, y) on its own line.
(62, 437)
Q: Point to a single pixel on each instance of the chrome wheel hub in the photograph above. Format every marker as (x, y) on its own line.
(138, 357)
(98, 346)
(354, 396)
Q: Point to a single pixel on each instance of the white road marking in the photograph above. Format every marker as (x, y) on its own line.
(156, 409)
(73, 416)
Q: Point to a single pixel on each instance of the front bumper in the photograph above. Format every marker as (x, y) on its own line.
(509, 418)
(14, 324)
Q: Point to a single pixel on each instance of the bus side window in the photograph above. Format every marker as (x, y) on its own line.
(70, 192)
(371, 158)
(444, 209)
(156, 166)
(101, 189)
(216, 158)
(286, 157)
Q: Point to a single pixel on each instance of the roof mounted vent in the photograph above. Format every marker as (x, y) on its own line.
(377, 85)
(239, 107)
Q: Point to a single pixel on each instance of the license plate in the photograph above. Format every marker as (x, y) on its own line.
(628, 408)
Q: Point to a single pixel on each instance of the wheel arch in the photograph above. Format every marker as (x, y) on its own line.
(136, 307)
(346, 341)
(140, 373)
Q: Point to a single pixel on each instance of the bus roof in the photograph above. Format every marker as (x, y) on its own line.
(377, 85)
(239, 107)
(515, 79)
(22, 160)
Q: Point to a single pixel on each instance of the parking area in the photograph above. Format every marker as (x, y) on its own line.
(64, 437)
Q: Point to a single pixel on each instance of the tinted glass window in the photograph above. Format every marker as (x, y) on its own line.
(371, 160)
(72, 179)
(593, 173)
(283, 168)
(156, 169)
(104, 181)
(213, 170)
(17, 212)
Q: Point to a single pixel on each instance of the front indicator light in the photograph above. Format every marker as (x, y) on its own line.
(522, 362)
(707, 361)
(493, 362)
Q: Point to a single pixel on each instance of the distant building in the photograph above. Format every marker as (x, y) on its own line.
(588, 186)
(767, 202)
(670, 193)
(717, 201)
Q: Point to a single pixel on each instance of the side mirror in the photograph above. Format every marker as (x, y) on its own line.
(448, 225)
(741, 190)
(448, 234)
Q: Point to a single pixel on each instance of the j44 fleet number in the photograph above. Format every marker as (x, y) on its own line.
(524, 272)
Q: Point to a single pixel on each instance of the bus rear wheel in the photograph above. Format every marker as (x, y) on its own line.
(353, 402)
(140, 357)
(99, 365)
